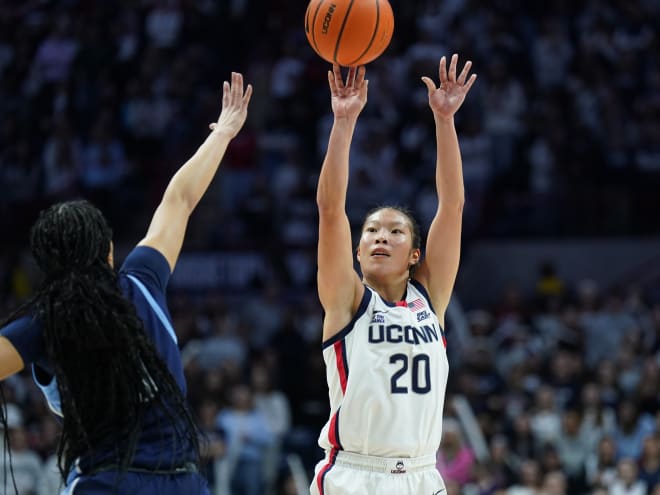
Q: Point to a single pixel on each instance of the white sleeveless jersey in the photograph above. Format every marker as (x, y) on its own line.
(387, 375)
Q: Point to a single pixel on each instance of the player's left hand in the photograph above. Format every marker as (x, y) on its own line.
(234, 106)
(448, 98)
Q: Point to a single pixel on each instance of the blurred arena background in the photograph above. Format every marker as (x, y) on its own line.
(554, 328)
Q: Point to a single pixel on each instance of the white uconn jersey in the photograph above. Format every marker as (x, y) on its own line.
(387, 374)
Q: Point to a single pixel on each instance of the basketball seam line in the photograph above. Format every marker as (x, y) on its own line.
(341, 31)
(316, 46)
(373, 36)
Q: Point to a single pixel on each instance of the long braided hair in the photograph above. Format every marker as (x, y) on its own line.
(108, 371)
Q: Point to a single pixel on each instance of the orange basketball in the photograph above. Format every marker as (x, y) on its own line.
(349, 32)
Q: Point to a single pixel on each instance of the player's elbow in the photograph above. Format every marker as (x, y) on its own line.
(328, 207)
(453, 205)
(179, 201)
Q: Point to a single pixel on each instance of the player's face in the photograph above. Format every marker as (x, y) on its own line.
(386, 244)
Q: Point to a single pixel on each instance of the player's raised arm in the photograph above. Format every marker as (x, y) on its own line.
(440, 266)
(10, 360)
(188, 185)
(338, 284)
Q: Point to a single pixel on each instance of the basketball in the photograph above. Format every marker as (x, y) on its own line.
(349, 32)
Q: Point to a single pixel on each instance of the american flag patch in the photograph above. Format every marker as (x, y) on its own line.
(416, 305)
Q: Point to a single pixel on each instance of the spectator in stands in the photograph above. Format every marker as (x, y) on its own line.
(455, 459)
(26, 466)
(154, 64)
(274, 406)
(573, 448)
(632, 429)
(601, 464)
(649, 462)
(627, 481)
(554, 483)
(529, 482)
(248, 437)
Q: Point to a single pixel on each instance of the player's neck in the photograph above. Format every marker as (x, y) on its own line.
(390, 290)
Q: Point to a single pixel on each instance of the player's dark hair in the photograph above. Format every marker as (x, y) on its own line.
(5, 446)
(415, 231)
(108, 371)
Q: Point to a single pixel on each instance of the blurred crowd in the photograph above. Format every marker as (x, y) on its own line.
(560, 137)
(553, 392)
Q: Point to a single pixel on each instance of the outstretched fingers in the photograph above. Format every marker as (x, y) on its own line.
(452, 68)
(351, 77)
(236, 88)
(470, 82)
(332, 83)
(226, 99)
(226, 94)
(464, 73)
(233, 95)
(359, 78)
(443, 71)
(430, 85)
(339, 81)
(247, 96)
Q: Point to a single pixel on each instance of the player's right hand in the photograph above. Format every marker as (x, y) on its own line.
(234, 106)
(348, 98)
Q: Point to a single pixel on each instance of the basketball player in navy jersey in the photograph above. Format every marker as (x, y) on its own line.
(101, 345)
(383, 337)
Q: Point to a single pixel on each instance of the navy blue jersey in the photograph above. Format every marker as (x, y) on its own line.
(143, 280)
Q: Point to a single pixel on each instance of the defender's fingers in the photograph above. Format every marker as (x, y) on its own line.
(225, 94)
(247, 95)
(237, 87)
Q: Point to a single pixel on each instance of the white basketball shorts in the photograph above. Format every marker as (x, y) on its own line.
(344, 473)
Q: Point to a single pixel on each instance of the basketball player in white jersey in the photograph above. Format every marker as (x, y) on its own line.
(383, 337)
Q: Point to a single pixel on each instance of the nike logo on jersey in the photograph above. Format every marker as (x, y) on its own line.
(438, 492)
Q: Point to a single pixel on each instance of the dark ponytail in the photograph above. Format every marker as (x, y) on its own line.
(108, 371)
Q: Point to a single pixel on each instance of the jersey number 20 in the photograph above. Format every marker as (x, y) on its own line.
(420, 368)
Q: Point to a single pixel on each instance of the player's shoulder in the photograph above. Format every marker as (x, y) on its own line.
(148, 265)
